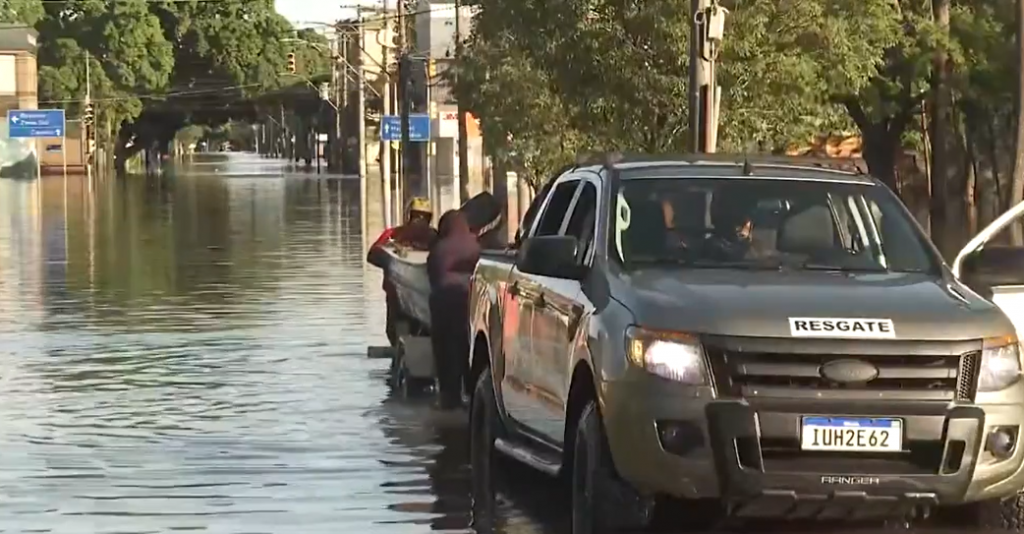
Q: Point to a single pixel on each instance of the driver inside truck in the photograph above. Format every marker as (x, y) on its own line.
(732, 217)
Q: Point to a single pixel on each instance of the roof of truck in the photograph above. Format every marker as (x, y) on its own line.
(737, 166)
(680, 169)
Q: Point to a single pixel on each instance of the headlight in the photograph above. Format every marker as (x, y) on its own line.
(677, 357)
(1000, 364)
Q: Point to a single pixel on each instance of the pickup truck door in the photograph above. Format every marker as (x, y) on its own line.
(1000, 269)
(521, 395)
(556, 318)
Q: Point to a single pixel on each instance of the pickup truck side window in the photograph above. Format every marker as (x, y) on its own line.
(550, 221)
(581, 222)
(531, 212)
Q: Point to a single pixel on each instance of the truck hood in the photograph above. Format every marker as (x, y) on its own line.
(763, 303)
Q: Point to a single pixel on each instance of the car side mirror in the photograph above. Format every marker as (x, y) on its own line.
(993, 267)
(550, 255)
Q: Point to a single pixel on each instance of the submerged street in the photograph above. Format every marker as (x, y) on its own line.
(189, 353)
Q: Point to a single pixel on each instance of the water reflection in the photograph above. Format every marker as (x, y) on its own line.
(188, 352)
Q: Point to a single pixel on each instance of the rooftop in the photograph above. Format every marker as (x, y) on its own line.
(17, 38)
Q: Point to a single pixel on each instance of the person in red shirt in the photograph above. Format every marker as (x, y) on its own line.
(417, 233)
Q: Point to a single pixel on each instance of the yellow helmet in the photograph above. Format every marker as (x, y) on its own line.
(419, 205)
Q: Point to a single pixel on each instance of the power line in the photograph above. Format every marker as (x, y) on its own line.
(155, 96)
(174, 94)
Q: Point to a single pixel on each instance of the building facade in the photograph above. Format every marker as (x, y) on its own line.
(18, 90)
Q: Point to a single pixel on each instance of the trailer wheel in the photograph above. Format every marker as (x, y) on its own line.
(396, 372)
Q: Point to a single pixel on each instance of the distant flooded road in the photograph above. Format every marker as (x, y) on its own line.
(188, 353)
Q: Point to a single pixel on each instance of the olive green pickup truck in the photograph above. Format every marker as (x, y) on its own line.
(748, 338)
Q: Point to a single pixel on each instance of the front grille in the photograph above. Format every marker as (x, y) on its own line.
(772, 374)
(782, 455)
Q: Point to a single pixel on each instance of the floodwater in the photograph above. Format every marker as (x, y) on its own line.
(188, 353)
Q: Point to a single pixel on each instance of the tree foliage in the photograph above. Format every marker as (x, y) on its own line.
(155, 66)
(551, 77)
(20, 11)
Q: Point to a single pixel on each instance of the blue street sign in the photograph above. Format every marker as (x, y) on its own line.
(419, 128)
(30, 123)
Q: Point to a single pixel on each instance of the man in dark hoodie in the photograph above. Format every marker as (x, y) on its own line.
(449, 265)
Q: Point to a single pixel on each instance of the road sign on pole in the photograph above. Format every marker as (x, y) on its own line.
(33, 123)
(419, 128)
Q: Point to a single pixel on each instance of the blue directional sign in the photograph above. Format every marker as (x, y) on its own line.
(30, 123)
(419, 128)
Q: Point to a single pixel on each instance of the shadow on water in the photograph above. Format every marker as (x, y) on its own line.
(187, 352)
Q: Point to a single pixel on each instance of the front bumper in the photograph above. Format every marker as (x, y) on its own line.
(683, 442)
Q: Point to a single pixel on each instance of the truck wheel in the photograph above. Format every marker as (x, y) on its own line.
(1001, 514)
(601, 502)
(484, 427)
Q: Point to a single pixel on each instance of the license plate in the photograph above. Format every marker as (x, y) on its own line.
(851, 434)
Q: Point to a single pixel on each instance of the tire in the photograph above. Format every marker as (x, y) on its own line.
(601, 502)
(484, 428)
(1001, 514)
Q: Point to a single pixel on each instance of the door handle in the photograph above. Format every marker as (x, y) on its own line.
(514, 289)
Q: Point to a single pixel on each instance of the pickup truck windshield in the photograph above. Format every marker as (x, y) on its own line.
(766, 223)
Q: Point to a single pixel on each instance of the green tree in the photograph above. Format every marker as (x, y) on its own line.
(612, 74)
(21, 11)
(126, 50)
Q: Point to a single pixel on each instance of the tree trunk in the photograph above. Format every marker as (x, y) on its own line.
(941, 125)
(1017, 180)
(972, 188)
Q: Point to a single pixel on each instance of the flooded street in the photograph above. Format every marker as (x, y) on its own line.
(189, 353)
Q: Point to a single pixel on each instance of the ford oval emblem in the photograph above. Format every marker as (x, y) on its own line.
(848, 371)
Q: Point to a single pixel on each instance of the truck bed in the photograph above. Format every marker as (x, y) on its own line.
(408, 272)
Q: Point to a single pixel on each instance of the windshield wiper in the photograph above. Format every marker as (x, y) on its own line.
(812, 266)
(771, 264)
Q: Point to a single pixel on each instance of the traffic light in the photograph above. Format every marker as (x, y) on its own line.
(87, 114)
(291, 63)
(431, 68)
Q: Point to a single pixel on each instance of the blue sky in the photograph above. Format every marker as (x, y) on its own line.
(303, 11)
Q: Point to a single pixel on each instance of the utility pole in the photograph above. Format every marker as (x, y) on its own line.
(706, 32)
(402, 71)
(404, 90)
(433, 191)
(334, 163)
(385, 145)
(361, 112)
(90, 128)
(463, 130)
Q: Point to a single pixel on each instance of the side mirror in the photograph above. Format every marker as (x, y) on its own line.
(993, 267)
(550, 255)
